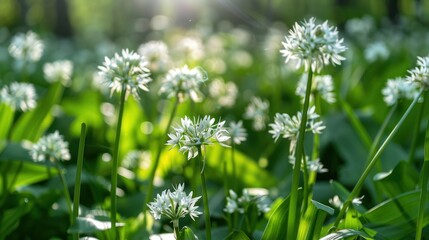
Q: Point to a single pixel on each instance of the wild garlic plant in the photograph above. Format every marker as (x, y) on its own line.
(26, 49)
(52, 148)
(418, 76)
(180, 84)
(126, 73)
(313, 46)
(175, 205)
(250, 206)
(192, 136)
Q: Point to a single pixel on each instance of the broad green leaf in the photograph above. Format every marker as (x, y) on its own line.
(255, 175)
(237, 235)
(19, 169)
(311, 223)
(276, 227)
(9, 219)
(187, 234)
(345, 233)
(6, 120)
(402, 178)
(396, 218)
(31, 125)
(91, 224)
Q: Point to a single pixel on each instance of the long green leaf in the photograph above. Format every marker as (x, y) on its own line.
(311, 223)
(91, 224)
(396, 217)
(187, 234)
(277, 222)
(402, 178)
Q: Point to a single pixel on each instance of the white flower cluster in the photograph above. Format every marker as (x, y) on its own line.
(174, 205)
(398, 88)
(19, 96)
(237, 132)
(51, 147)
(322, 84)
(156, 53)
(183, 82)
(26, 47)
(224, 93)
(420, 74)
(336, 201)
(202, 131)
(58, 71)
(288, 127)
(242, 203)
(312, 166)
(128, 69)
(376, 51)
(257, 110)
(313, 45)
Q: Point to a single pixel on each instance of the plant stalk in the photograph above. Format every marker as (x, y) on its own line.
(204, 192)
(76, 196)
(65, 189)
(417, 130)
(373, 161)
(293, 223)
(114, 180)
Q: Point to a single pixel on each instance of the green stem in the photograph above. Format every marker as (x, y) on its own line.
(293, 223)
(66, 191)
(76, 196)
(372, 163)
(424, 177)
(176, 229)
(315, 152)
(205, 197)
(417, 130)
(114, 180)
(157, 158)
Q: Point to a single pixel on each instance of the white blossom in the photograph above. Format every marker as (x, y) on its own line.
(242, 203)
(200, 132)
(313, 45)
(174, 205)
(51, 147)
(19, 96)
(237, 132)
(59, 71)
(257, 110)
(225, 93)
(156, 53)
(420, 74)
(128, 69)
(398, 88)
(183, 83)
(26, 47)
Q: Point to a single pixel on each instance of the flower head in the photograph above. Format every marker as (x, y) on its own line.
(312, 166)
(398, 88)
(184, 82)
(322, 84)
(19, 96)
(202, 131)
(26, 47)
(420, 74)
(376, 51)
(257, 110)
(313, 45)
(59, 71)
(241, 204)
(128, 69)
(237, 132)
(156, 52)
(174, 205)
(224, 93)
(288, 127)
(51, 147)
